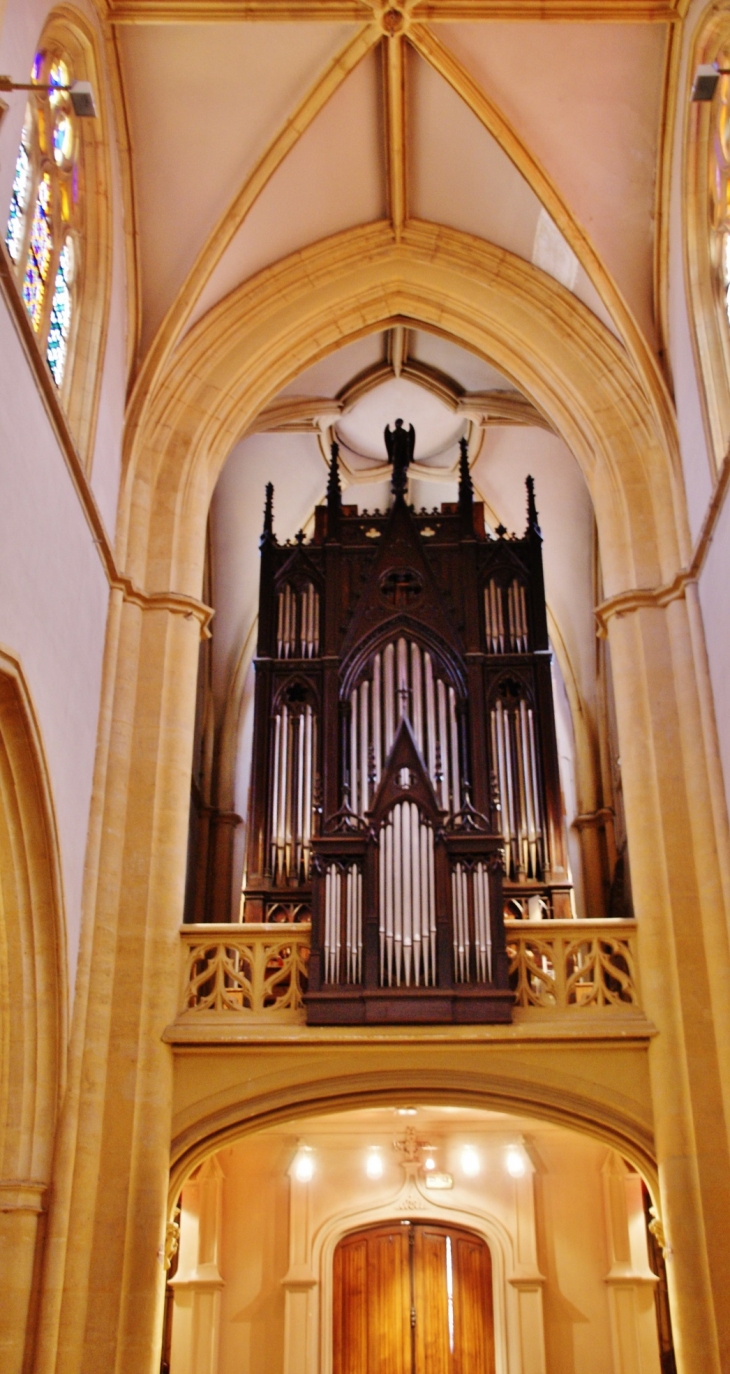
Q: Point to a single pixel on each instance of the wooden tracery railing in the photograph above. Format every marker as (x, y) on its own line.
(257, 974)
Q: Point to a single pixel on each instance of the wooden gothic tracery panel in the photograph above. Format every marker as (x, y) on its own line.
(404, 780)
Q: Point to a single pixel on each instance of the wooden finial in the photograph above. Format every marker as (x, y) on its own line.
(268, 530)
(533, 524)
(466, 486)
(334, 492)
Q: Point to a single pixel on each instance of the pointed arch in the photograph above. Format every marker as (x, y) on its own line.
(33, 1000)
(505, 310)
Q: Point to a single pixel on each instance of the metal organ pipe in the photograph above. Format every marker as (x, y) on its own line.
(513, 748)
(400, 681)
(297, 622)
(407, 899)
(343, 923)
(364, 747)
(516, 639)
(472, 930)
(294, 756)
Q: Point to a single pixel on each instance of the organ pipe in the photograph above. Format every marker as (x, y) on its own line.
(343, 923)
(400, 681)
(407, 922)
(297, 622)
(471, 923)
(293, 761)
(496, 597)
(513, 747)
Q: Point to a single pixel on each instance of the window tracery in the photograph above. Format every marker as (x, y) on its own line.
(720, 188)
(707, 235)
(45, 211)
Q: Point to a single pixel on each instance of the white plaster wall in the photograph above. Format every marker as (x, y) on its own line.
(53, 605)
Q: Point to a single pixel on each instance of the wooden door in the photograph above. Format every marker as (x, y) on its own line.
(413, 1298)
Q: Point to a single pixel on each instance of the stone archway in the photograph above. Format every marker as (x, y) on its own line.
(33, 1007)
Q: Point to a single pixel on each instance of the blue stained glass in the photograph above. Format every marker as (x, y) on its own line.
(19, 201)
(39, 253)
(60, 325)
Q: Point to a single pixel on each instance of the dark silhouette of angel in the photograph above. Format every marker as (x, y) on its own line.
(400, 444)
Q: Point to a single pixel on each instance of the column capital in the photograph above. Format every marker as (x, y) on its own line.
(177, 603)
(641, 598)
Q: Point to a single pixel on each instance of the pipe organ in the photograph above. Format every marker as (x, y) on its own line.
(404, 787)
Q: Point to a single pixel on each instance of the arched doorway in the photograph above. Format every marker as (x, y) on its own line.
(413, 1298)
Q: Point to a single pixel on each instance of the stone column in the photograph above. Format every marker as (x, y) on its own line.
(629, 1279)
(526, 1278)
(299, 1280)
(21, 1203)
(684, 958)
(197, 1285)
(104, 1286)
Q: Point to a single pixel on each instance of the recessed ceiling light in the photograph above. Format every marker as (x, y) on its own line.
(407, 1111)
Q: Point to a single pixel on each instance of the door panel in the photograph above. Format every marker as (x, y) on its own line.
(371, 1307)
(440, 1273)
(473, 1306)
(432, 1308)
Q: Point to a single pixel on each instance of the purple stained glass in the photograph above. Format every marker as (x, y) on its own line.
(37, 64)
(39, 253)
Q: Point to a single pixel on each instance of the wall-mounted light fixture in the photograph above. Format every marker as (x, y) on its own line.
(469, 1161)
(80, 93)
(515, 1162)
(374, 1166)
(304, 1164)
(705, 81)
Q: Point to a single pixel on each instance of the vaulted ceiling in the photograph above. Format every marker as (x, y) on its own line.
(260, 127)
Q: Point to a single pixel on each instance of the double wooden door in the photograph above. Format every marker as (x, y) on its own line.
(413, 1298)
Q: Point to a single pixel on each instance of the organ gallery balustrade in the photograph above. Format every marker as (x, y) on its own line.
(256, 976)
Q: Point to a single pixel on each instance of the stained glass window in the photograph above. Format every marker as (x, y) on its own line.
(44, 220)
(39, 253)
(720, 190)
(60, 325)
(22, 186)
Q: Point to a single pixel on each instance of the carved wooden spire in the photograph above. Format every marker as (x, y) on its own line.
(533, 524)
(466, 486)
(334, 493)
(268, 531)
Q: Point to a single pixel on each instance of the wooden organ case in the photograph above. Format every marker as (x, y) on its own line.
(404, 790)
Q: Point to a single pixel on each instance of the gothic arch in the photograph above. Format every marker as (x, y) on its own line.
(224, 1117)
(33, 995)
(617, 423)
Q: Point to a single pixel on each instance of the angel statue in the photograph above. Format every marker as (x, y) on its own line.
(400, 444)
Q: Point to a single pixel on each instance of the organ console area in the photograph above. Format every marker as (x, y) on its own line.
(405, 794)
